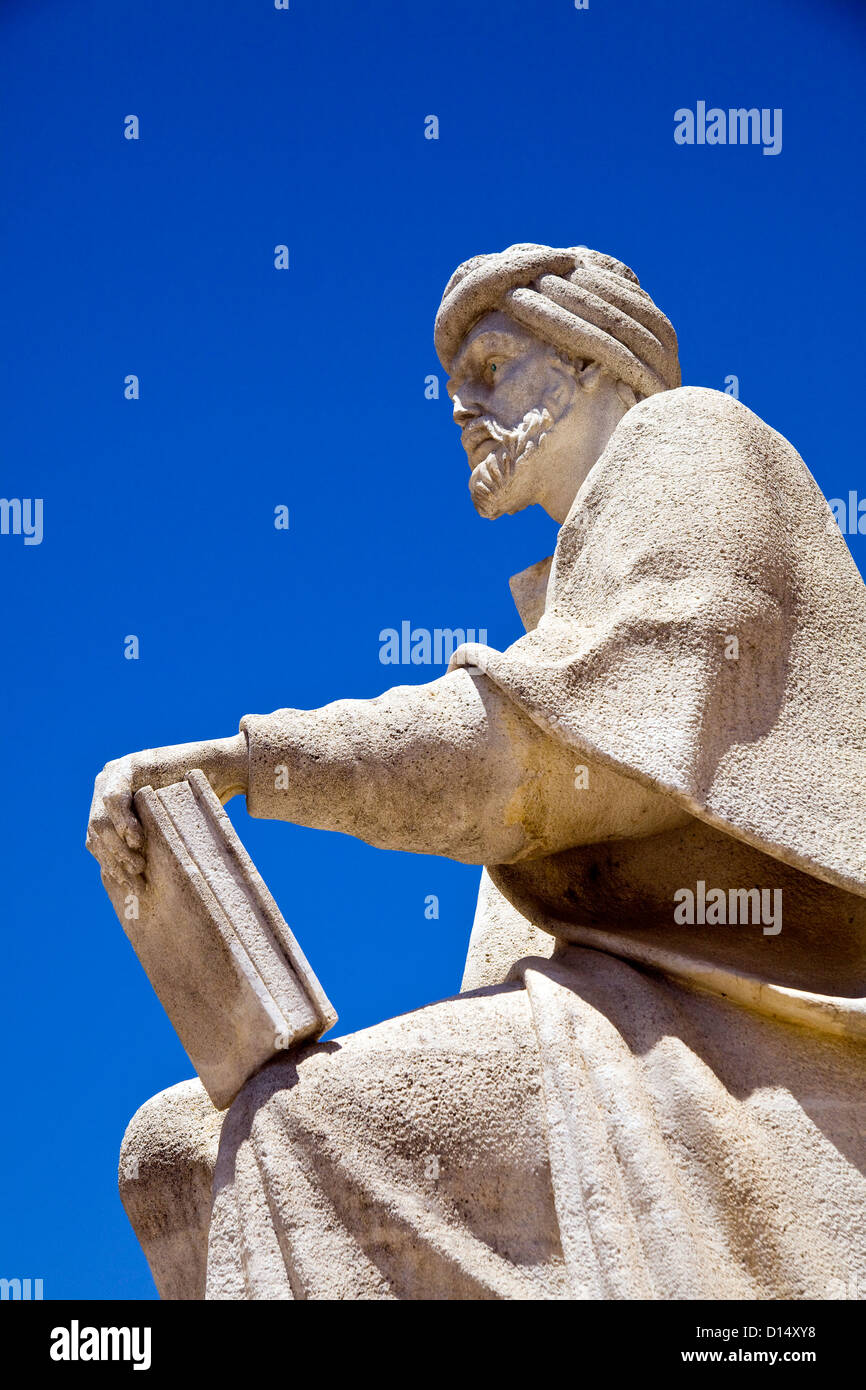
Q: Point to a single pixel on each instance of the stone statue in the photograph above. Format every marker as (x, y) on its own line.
(651, 1083)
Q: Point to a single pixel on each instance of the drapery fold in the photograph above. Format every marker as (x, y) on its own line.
(705, 633)
(646, 1140)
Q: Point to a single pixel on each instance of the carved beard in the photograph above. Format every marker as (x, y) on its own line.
(493, 482)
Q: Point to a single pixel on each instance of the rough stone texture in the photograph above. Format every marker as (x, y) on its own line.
(501, 935)
(656, 1108)
(166, 1170)
(595, 1131)
(697, 524)
(585, 303)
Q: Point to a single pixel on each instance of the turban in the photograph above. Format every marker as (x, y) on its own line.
(587, 305)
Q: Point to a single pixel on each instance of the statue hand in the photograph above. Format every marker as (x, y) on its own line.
(114, 834)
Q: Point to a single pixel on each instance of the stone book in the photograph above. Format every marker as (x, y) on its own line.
(213, 943)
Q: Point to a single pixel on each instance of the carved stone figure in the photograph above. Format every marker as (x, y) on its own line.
(651, 1085)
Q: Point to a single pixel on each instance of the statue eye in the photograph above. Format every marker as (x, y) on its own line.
(491, 367)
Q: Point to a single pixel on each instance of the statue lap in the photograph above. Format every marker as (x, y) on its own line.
(441, 1106)
(408, 1160)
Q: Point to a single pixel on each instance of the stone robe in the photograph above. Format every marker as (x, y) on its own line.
(618, 1106)
(594, 1130)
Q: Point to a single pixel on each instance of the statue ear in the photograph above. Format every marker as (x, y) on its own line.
(591, 376)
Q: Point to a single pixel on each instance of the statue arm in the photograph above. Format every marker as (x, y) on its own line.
(449, 768)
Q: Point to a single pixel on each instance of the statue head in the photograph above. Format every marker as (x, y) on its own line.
(546, 350)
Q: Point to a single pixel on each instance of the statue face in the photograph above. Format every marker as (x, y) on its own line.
(510, 392)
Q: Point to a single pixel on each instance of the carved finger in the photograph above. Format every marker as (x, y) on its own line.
(132, 884)
(135, 836)
(109, 872)
(123, 818)
(123, 859)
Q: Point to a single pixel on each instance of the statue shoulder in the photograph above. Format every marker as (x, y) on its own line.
(693, 418)
(690, 404)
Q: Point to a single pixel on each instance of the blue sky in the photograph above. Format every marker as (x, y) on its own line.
(306, 388)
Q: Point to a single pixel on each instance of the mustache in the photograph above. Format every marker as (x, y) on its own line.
(486, 428)
(535, 421)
